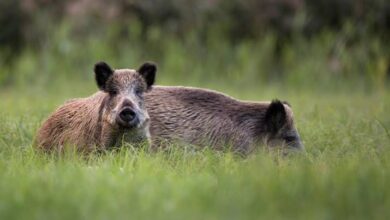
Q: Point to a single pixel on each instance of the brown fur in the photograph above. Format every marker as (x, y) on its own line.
(78, 122)
(208, 118)
(92, 123)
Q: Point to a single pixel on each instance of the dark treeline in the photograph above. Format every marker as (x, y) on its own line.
(360, 30)
(27, 21)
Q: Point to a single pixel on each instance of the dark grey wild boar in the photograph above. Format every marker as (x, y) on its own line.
(208, 118)
(102, 120)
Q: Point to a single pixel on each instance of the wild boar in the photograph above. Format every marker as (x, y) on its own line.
(114, 114)
(208, 118)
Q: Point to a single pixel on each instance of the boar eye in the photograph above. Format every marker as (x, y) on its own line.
(138, 92)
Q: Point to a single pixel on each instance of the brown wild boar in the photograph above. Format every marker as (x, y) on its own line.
(208, 118)
(114, 114)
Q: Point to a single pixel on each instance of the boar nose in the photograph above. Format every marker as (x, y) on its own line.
(127, 115)
(297, 145)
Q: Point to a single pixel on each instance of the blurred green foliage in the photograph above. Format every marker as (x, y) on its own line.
(321, 43)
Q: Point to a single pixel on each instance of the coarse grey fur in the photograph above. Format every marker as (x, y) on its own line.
(208, 118)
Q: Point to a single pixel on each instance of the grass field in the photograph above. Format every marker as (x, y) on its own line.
(343, 174)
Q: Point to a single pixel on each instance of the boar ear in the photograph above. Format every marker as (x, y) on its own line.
(102, 72)
(148, 72)
(275, 116)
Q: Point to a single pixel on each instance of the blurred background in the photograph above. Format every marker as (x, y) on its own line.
(325, 45)
(330, 59)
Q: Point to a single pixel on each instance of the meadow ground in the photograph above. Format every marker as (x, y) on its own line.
(343, 174)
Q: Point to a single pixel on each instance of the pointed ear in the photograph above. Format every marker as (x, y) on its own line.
(275, 116)
(148, 72)
(102, 72)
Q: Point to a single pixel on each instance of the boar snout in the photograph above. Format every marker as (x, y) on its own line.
(127, 118)
(296, 145)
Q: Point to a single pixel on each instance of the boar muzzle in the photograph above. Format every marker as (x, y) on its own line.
(127, 118)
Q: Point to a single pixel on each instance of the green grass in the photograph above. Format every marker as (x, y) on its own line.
(343, 174)
(338, 87)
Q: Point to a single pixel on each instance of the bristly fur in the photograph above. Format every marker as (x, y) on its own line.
(79, 122)
(89, 123)
(208, 118)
